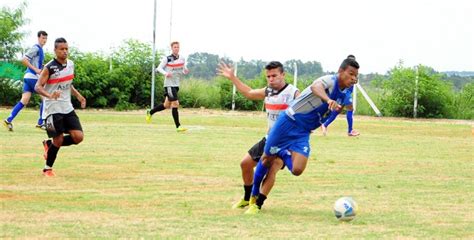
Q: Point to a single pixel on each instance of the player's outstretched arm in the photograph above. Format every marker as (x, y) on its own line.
(79, 97)
(227, 71)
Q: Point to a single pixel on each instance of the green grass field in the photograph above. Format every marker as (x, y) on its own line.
(128, 179)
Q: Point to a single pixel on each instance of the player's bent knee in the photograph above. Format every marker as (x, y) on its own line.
(247, 164)
(297, 171)
(77, 138)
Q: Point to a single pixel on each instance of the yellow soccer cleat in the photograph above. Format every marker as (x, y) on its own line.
(8, 125)
(240, 204)
(148, 116)
(181, 129)
(253, 209)
(253, 200)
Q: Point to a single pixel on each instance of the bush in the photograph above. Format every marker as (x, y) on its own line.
(199, 93)
(434, 95)
(462, 106)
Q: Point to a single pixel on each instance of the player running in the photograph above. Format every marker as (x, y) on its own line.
(348, 105)
(276, 95)
(33, 60)
(173, 67)
(55, 85)
(289, 137)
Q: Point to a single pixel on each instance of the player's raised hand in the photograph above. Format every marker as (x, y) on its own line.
(225, 70)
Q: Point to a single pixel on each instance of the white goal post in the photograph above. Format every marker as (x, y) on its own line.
(367, 98)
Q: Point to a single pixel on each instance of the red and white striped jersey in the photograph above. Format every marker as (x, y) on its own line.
(60, 78)
(277, 101)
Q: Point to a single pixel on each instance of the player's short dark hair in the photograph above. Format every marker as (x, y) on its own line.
(349, 61)
(58, 41)
(275, 64)
(42, 33)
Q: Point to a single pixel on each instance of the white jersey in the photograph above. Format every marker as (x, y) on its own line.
(277, 101)
(60, 78)
(174, 65)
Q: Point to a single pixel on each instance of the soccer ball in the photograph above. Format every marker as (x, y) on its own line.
(345, 209)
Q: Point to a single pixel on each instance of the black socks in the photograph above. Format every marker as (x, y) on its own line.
(52, 153)
(67, 141)
(248, 191)
(158, 108)
(260, 199)
(174, 111)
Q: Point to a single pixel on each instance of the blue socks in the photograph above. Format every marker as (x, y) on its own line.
(40, 119)
(20, 106)
(15, 111)
(331, 118)
(258, 176)
(349, 120)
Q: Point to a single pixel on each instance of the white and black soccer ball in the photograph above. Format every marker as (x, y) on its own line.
(345, 209)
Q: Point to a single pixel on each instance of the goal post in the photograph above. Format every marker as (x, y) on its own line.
(367, 98)
(234, 89)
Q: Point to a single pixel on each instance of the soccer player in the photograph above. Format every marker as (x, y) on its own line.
(173, 67)
(348, 105)
(289, 137)
(62, 123)
(33, 60)
(276, 95)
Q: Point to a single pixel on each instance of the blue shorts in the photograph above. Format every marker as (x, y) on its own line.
(29, 85)
(287, 135)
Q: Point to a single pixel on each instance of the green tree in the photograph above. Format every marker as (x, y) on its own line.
(434, 95)
(11, 20)
(463, 103)
(202, 65)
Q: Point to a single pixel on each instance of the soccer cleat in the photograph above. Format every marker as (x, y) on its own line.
(353, 133)
(253, 200)
(253, 209)
(240, 204)
(181, 129)
(46, 147)
(41, 127)
(324, 129)
(8, 125)
(148, 116)
(48, 173)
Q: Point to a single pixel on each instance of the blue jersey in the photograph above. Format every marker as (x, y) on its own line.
(348, 100)
(309, 111)
(306, 113)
